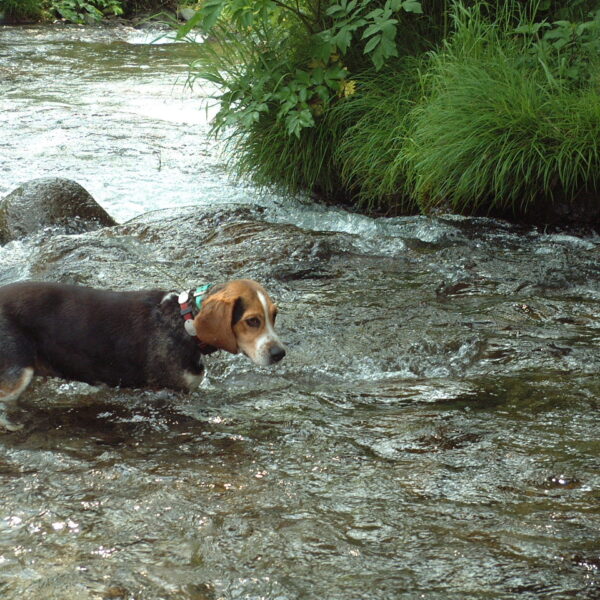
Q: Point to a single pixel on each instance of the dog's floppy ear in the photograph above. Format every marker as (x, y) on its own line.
(214, 322)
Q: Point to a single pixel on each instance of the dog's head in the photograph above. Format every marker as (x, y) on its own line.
(237, 317)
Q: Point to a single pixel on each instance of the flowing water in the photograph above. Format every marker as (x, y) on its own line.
(432, 433)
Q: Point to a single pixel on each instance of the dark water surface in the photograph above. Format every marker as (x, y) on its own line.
(432, 433)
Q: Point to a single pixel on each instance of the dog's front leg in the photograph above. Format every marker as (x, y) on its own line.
(12, 385)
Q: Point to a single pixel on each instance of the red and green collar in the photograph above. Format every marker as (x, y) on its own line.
(190, 304)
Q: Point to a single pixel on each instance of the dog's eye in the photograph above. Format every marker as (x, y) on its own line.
(253, 322)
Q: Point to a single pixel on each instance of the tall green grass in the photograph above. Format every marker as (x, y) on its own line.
(496, 131)
(18, 10)
(372, 131)
(287, 163)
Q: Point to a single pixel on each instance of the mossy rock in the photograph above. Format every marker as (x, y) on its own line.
(50, 202)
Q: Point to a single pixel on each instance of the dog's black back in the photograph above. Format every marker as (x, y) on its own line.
(131, 339)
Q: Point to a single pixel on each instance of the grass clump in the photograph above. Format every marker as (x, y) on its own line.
(291, 164)
(16, 11)
(352, 156)
(373, 127)
(500, 129)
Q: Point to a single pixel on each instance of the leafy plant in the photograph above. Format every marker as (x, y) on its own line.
(78, 11)
(378, 27)
(355, 103)
(564, 48)
(292, 61)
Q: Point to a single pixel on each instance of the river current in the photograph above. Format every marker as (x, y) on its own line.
(432, 433)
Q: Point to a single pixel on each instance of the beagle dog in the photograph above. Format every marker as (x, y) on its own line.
(150, 338)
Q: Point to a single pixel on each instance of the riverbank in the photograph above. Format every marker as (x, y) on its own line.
(477, 109)
(105, 12)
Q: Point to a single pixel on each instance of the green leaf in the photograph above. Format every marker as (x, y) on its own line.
(342, 40)
(560, 43)
(298, 120)
(302, 77)
(336, 11)
(371, 44)
(317, 76)
(412, 6)
(333, 75)
(323, 46)
(375, 15)
(388, 45)
(371, 30)
(244, 18)
(95, 13)
(211, 11)
(388, 29)
(377, 58)
(322, 92)
(382, 51)
(556, 34)
(69, 15)
(583, 27)
(531, 28)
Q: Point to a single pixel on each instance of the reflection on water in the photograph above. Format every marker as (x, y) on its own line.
(432, 433)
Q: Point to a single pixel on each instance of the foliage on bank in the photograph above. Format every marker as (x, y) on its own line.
(511, 116)
(81, 11)
(407, 107)
(75, 11)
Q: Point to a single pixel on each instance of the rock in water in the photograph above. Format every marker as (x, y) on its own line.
(47, 202)
(186, 12)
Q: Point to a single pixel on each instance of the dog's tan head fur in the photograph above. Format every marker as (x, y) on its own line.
(239, 316)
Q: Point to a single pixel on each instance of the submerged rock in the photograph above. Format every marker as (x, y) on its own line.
(46, 202)
(186, 12)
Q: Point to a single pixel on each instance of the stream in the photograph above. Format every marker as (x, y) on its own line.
(432, 432)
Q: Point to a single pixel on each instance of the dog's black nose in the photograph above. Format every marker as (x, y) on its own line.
(276, 353)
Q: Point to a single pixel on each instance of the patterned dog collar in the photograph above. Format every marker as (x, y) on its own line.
(190, 304)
